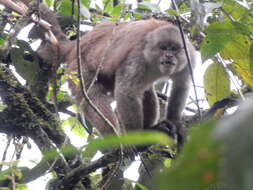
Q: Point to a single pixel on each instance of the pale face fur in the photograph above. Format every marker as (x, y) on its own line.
(164, 50)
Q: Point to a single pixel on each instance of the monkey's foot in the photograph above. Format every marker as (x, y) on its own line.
(174, 129)
(167, 127)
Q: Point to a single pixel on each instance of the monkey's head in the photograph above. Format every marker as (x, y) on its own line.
(163, 50)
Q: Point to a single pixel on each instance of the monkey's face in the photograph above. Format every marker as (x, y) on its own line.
(163, 50)
(168, 60)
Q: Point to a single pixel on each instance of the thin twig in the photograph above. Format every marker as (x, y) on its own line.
(9, 138)
(187, 56)
(234, 81)
(80, 73)
(101, 63)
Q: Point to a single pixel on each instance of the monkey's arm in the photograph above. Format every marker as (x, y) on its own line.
(129, 98)
(129, 109)
(178, 95)
(151, 108)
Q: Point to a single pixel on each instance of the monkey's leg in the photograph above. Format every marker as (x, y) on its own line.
(150, 108)
(99, 96)
(177, 100)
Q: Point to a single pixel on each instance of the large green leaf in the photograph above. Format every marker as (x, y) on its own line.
(239, 12)
(112, 141)
(131, 138)
(216, 83)
(197, 166)
(219, 34)
(238, 50)
(235, 9)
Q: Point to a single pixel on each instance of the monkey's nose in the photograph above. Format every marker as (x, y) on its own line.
(168, 55)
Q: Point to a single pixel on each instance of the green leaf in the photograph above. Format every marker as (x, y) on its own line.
(2, 41)
(116, 12)
(86, 3)
(219, 34)
(65, 150)
(172, 12)
(49, 3)
(131, 138)
(75, 125)
(65, 8)
(239, 50)
(235, 9)
(149, 6)
(5, 174)
(216, 83)
(21, 187)
(251, 59)
(63, 96)
(197, 166)
(128, 16)
(108, 6)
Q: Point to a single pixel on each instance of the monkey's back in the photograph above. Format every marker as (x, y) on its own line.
(109, 44)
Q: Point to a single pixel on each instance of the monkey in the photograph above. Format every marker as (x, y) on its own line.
(139, 54)
(132, 57)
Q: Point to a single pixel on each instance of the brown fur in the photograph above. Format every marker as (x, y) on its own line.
(127, 42)
(132, 60)
(126, 38)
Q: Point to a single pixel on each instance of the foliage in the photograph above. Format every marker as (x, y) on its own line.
(222, 30)
(216, 82)
(198, 164)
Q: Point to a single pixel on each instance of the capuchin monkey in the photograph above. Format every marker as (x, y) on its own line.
(132, 57)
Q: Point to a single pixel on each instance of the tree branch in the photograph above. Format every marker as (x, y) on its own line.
(74, 176)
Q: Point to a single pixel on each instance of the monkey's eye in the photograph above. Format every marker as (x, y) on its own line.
(163, 47)
(174, 47)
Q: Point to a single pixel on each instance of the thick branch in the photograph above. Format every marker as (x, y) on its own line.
(25, 109)
(226, 102)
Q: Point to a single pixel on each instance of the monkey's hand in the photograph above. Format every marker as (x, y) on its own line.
(172, 128)
(180, 131)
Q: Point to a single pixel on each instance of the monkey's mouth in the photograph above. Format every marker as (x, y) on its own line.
(168, 63)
